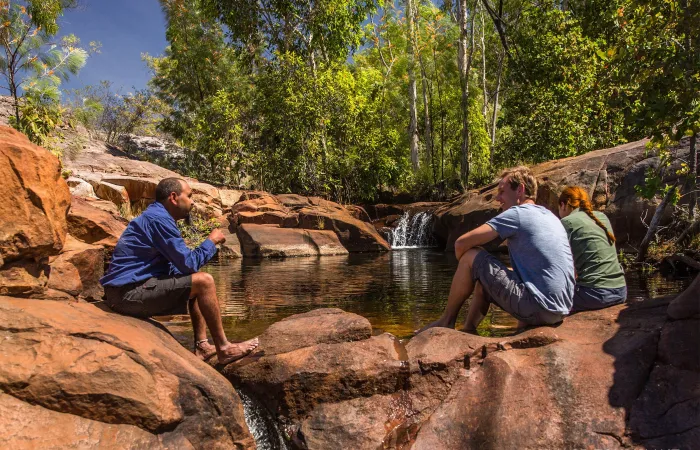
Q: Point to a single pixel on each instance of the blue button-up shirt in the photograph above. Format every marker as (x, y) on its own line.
(152, 246)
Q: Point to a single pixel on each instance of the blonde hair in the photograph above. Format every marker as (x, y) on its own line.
(521, 175)
(576, 197)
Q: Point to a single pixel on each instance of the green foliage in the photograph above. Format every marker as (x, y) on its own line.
(214, 141)
(38, 120)
(559, 105)
(135, 112)
(195, 232)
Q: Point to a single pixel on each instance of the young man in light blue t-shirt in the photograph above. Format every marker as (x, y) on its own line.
(540, 287)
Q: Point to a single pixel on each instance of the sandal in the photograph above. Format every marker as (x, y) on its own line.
(203, 354)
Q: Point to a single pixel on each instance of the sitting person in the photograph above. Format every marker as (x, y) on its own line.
(153, 273)
(539, 289)
(600, 281)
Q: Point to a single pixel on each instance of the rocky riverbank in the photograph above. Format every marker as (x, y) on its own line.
(75, 375)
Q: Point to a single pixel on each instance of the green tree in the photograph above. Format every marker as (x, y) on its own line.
(31, 61)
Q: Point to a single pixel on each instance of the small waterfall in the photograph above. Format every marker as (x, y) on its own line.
(413, 231)
(262, 426)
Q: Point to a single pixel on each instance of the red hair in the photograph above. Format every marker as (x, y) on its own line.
(576, 197)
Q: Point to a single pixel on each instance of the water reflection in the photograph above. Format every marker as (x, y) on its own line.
(397, 291)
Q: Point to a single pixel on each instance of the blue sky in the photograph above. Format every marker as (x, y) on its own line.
(126, 28)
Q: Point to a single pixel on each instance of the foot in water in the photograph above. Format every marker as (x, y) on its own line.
(233, 352)
(441, 322)
(204, 350)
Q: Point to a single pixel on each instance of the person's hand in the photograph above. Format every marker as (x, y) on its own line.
(216, 236)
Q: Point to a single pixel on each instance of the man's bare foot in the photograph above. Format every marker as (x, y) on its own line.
(204, 350)
(441, 322)
(233, 352)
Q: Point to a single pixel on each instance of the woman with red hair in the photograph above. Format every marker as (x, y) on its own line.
(600, 280)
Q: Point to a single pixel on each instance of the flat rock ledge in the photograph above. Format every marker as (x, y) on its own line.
(622, 377)
(75, 376)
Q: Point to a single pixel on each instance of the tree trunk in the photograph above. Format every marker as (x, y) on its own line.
(494, 114)
(651, 232)
(413, 111)
(442, 122)
(484, 107)
(695, 180)
(464, 82)
(428, 134)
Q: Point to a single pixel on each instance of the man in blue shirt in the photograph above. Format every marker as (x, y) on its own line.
(153, 272)
(539, 289)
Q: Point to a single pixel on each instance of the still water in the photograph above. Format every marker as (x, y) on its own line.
(398, 291)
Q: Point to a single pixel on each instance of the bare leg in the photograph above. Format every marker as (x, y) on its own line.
(204, 290)
(461, 289)
(478, 308)
(204, 350)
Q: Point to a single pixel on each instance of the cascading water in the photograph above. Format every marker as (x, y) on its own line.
(262, 426)
(413, 231)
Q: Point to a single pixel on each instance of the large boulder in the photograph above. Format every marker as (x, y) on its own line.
(620, 377)
(138, 188)
(80, 187)
(271, 241)
(35, 199)
(82, 375)
(608, 175)
(355, 235)
(114, 193)
(77, 270)
(93, 224)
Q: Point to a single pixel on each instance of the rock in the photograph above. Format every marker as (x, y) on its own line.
(114, 193)
(262, 203)
(93, 225)
(355, 235)
(282, 219)
(359, 213)
(358, 423)
(98, 375)
(582, 375)
(271, 241)
(151, 147)
(292, 384)
(229, 197)
(231, 248)
(608, 175)
(319, 326)
(80, 187)
(35, 199)
(687, 304)
(25, 426)
(138, 188)
(205, 192)
(77, 270)
(23, 278)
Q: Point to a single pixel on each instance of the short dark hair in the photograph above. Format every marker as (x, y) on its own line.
(166, 187)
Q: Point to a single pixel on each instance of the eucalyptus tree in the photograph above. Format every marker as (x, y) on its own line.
(31, 59)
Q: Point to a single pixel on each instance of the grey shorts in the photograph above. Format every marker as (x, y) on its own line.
(588, 298)
(153, 297)
(503, 287)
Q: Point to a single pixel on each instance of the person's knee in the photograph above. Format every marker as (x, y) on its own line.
(201, 281)
(466, 262)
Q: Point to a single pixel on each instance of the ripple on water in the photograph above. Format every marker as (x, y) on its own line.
(397, 292)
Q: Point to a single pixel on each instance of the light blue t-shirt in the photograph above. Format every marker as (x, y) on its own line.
(540, 254)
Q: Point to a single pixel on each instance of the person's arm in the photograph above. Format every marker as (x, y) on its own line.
(478, 236)
(168, 241)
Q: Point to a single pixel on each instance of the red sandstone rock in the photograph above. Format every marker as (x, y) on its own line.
(94, 225)
(355, 235)
(292, 384)
(23, 278)
(114, 193)
(35, 199)
(98, 375)
(271, 241)
(138, 188)
(78, 269)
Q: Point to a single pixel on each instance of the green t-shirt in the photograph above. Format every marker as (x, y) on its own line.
(594, 258)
